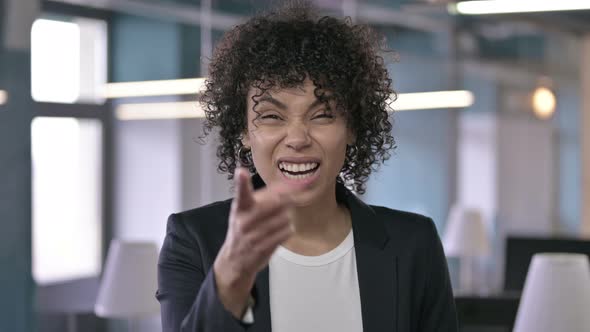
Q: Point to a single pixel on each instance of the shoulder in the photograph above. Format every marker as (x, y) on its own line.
(422, 268)
(212, 210)
(205, 219)
(196, 235)
(403, 219)
(406, 227)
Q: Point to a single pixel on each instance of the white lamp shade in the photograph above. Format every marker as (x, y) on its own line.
(129, 281)
(556, 295)
(465, 233)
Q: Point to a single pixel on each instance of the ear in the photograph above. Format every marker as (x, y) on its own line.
(245, 138)
(245, 135)
(350, 137)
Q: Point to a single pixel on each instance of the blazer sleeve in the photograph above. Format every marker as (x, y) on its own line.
(187, 293)
(438, 308)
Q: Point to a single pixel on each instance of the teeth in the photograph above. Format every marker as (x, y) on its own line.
(288, 167)
(297, 167)
(297, 177)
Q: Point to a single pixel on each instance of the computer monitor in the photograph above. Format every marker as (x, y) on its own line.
(520, 251)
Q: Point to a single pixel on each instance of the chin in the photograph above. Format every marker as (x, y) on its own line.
(303, 199)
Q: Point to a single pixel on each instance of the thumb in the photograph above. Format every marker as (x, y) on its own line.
(244, 197)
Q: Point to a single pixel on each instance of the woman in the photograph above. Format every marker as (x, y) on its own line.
(301, 103)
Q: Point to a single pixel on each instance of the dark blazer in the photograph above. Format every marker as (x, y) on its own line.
(402, 272)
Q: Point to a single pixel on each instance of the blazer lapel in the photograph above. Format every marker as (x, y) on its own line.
(376, 269)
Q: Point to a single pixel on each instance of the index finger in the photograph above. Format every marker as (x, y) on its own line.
(244, 198)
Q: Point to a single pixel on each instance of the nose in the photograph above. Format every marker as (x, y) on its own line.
(297, 137)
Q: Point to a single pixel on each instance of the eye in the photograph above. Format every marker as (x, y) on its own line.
(271, 117)
(324, 115)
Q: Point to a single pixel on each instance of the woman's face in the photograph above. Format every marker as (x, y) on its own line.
(296, 141)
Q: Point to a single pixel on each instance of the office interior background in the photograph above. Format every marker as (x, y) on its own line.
(85, 159)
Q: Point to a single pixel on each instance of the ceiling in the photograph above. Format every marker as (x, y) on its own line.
(513, 37)
(425, 15)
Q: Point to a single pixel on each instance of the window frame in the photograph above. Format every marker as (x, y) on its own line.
(102, 112)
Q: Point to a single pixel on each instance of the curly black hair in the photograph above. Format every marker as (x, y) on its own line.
(281, 48)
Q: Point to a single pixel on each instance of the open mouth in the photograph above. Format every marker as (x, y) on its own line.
(298, 171)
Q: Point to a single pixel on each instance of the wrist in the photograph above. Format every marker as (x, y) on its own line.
(233, 289)
(231, 276)
(232, 280)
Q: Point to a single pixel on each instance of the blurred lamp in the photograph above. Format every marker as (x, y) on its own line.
(129, 282)
(543, 102)
(556, 294)
(466, 238)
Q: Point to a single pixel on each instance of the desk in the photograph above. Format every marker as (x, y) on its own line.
(489, 313)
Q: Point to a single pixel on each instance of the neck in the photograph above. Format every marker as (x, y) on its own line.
(319, 227)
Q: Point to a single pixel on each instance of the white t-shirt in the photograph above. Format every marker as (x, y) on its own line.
(315, 293)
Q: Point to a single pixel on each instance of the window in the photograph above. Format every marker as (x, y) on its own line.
(68, 60)
(68, 75)
(67, 192)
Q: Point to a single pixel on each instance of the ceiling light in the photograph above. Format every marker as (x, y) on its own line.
(515, 6)
(154, 111)
(192, 109)
(404, 101)
(154, 88)
(433, 100)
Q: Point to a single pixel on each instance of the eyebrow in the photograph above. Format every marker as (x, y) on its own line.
(270, 99)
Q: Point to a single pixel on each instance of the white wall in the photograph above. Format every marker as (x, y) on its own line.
(201, 183)
(526, 176)
(147, 178)
(506, 168)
